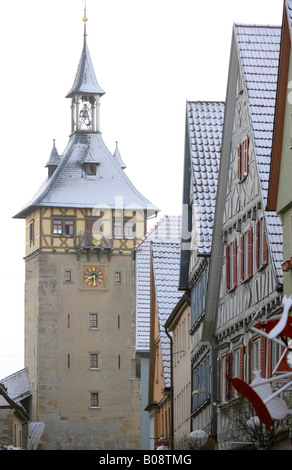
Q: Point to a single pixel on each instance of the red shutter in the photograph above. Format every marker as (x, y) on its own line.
(218, 379)
(246, 142)
(228, 267)
(242, 257)
(239, 162)
(265, 245)
(241, 362)
(234, 258)
(249, 361)
(263, 356)
(230, 374)
(269, 359)
(250, 253)
(227, 383)
(258, 244)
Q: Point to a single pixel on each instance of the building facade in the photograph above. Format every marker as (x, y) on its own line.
(80, 327)
(204, 126)
(245, 271)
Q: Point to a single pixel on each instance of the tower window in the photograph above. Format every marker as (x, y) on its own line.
(93, 320)
(118, 278)
(94, 400)
(31, 232)
(91, 169)
(68, 276)
(63, 227)
(94, 361)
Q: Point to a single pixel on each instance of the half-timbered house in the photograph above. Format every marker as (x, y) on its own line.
(245, 277)
(204, 125)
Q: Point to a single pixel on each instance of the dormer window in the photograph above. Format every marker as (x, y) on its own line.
(90, 169)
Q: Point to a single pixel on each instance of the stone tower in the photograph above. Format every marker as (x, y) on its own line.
(81, 229)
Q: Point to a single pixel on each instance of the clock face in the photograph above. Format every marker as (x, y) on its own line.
(93, 276)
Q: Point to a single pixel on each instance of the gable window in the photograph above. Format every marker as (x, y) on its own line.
(63, 227)
(246, 254)
(231, 265)
(262, 244)
(243, 159)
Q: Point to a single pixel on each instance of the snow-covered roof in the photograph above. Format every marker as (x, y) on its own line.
(258, 49)
(205, 125)
(17, 385)
(166, 268)
(85, 80)
(70, 187)
(168, 228)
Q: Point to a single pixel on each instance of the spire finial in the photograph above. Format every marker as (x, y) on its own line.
(85, 19)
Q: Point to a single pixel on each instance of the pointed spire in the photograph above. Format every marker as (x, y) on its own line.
(85, 80)
(55, 158)
(118, 157)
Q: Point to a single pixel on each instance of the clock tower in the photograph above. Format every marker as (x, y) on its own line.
(81, 230)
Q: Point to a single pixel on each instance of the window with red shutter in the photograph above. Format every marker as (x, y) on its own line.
(239, 160)
(234, 262)
(263, 356)
(262, 244)
(242, 257)
(246, 144)
(219, 379)
(265, 245)
(241, 362)
(228, 267)
(250, 252)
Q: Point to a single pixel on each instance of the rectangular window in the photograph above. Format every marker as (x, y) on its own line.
(246, 255)
(94, 400)
(199, 291)
(243, 159)
(91, 169)
(262, 244)
(231, 265)
(94, 361)
(31, 232)
(93, 320)
(68, 276)
(118, 278)
(69, 228)
(201, 387)
(118, 229)
(63, 227)
(57, 227)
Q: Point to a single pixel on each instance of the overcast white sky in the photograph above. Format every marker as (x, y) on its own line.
(150, 56)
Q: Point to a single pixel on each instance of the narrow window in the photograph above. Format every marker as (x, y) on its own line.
(119, 361)
(68, 276)
(68, 361)
(119, 321)
(118, 278)
(31, 232)
(262, 244)
(245, 163)
(243, 159)
(94, 361)
(68, 320)
(231, 265)
(69, 228)
(250, 253)
(94, 400)
(57, 227)
(93, 320)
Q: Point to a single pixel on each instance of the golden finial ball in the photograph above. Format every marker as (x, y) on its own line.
(85, 19)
